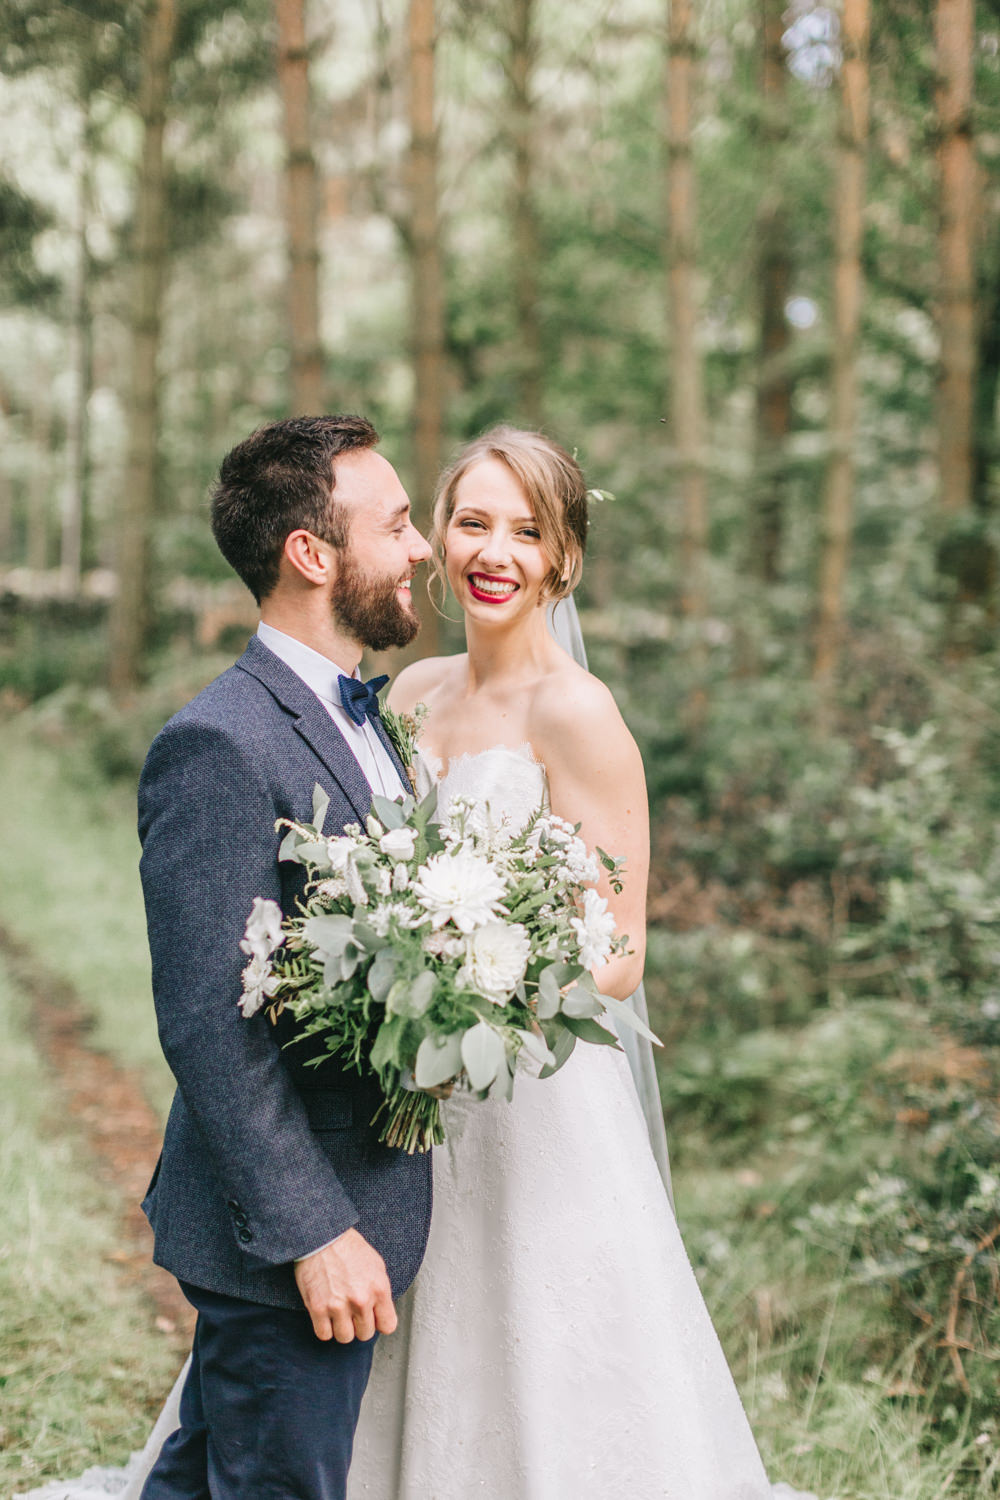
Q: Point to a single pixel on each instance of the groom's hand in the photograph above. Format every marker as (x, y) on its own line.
(346, 1290)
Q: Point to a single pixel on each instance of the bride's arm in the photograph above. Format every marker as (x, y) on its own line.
(596, 779)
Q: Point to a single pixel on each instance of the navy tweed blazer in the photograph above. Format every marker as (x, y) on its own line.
(264, 1159)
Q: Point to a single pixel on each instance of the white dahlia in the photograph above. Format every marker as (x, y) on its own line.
(496, 956)
(595, 930)
(458, 886)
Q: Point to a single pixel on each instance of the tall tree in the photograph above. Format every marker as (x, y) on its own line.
(687, 405)
(848, 211)
(427, 297)
(520, 74)
(130, 612)
(954, 35)
(76, 496)
(774, 272)
(301, 212)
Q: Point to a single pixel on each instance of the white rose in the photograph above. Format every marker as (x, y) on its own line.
(398, 843)
(259, 985)
(340, 850)
(458, 886)
(595, 930)
(496, 956)
(263, 930)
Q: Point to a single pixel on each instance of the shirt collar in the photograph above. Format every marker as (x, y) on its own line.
(317, 671)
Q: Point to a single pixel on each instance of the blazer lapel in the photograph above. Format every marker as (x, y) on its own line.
(312, 722)
(394, 755)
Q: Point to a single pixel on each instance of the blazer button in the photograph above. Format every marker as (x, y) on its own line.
(240, 1220)
(233, 1205)
(246, 1236)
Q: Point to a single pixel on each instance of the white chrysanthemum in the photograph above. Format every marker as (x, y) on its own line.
(496, 956)
(263, 930)
(398, 843)
(458, 886)
(594, 930)
(259, 985)
(390, 911)
(579, 864)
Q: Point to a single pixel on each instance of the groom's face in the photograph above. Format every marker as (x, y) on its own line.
(371, 597)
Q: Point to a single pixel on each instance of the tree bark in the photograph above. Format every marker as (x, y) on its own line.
(301, 212)
(686, 405)
(848, 211)
(987, 386)
(954, 32)
(427, 302)
(37, 519)
(76, 502)
(520, 73)
(774, 274)
(130, 612)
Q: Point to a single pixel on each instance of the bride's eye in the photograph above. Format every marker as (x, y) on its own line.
(529, 531)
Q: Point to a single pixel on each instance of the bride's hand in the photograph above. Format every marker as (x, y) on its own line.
(346, 1290)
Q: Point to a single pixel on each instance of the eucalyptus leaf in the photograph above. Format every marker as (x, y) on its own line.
(548, 993)
(421, 992)
(484, 1054)
(438, 1059)
(321, 803)
(580, 1002)
(620, 1010)
(589, 1030)
(503, 1084)
(329, 933)
(392, 814)
(537, 1049)
(288, 849)
(385, 1047)
(382, 974)
(561, 1043)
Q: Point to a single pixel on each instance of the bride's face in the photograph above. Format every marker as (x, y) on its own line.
(494, 557)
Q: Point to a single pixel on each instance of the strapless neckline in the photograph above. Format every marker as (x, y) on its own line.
(439, 769)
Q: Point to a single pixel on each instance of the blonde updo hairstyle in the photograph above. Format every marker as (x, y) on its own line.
(554, 485)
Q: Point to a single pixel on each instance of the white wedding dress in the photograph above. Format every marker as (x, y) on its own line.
(555, 1344)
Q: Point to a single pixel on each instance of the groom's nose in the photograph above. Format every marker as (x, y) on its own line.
(420, 548)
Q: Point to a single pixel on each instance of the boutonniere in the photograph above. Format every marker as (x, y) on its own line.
(403, 730)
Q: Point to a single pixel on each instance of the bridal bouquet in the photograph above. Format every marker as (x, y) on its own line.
(438, 952)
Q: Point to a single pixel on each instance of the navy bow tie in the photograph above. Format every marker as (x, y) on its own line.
(361, 698)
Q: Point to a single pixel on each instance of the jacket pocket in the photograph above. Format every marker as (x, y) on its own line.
(328, 1109)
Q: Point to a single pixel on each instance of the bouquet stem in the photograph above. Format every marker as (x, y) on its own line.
(414, 1121)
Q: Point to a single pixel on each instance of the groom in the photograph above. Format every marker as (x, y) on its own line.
(288, 1226)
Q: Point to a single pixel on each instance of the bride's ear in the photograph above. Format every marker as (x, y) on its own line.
(312, 559)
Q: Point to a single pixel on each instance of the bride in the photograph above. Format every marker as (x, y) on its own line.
(555, 1344)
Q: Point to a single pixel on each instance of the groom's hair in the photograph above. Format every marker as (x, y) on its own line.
(280, 479)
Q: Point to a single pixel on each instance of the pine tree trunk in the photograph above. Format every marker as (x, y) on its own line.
(954, 37)
(848, 210)
(130, 612)
(39, 484)
(76, 501)
(687, 418)
(987, 390)
(774, 273)
(427, 306)
(526, 250)
(301, 212)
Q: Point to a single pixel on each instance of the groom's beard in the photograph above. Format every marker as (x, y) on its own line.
(368, 609)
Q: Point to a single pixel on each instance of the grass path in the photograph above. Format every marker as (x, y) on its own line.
(82, 1363)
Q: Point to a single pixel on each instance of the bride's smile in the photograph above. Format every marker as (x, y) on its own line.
(494, 554)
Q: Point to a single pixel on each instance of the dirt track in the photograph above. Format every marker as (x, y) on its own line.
(106, 1104)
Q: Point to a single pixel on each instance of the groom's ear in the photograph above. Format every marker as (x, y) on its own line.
(311, 559)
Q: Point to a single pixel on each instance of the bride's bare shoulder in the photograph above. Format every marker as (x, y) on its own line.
(573, 699)
(422, 680)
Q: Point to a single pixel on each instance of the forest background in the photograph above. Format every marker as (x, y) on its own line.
(744, 258)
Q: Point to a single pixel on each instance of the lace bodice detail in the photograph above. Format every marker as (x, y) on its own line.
(505, 781)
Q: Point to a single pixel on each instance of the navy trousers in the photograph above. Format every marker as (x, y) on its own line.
(268, 1411)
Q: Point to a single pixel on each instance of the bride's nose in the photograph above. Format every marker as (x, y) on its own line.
(495, 550)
